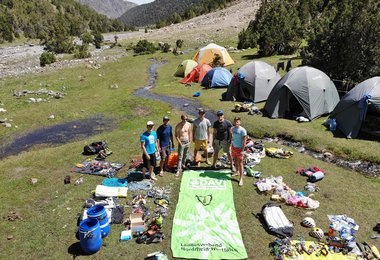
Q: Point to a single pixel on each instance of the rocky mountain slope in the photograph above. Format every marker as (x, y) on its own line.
(220, 26)
(110, 8)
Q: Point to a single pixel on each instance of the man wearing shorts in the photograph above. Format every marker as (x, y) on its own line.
(221, 137)
(239, 136)
(149, 146)
(183, 134)
(201, 134)
(165, 138)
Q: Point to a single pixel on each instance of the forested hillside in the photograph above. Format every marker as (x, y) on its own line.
(164, 12)
(42, 19)
(110, 8)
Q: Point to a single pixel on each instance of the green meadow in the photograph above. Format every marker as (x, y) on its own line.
(49, 209)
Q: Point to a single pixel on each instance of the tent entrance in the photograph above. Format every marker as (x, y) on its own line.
(294, 107)
(371, 125)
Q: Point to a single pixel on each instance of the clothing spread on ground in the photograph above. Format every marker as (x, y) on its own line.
(95, 167)
(205, 224)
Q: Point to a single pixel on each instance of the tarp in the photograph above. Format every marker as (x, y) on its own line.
(207, 55)
(253, 82)
(352, 109)
(205, 224)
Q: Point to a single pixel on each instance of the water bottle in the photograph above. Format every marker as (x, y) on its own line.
(332, 124)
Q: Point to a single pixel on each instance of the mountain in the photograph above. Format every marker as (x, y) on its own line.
(149, 14)
(110, 8)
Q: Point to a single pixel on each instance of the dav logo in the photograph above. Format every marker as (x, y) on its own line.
(205, 183)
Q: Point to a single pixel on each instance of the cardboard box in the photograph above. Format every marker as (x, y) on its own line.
(137, 222)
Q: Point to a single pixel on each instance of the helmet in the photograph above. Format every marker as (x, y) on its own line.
(317, 233)
(308, 222)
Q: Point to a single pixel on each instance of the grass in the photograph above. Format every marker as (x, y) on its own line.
(49, 209)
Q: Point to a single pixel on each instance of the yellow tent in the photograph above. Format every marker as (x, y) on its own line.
(207, 54)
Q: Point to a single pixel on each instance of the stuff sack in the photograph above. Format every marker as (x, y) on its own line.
(276, 221)
(94, 148)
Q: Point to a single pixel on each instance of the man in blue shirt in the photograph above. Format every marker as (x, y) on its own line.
(165, 138)
(149, 146)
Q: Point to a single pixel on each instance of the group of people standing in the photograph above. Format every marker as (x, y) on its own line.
(228, 137)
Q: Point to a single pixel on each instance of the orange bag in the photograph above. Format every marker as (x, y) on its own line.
(173, 160)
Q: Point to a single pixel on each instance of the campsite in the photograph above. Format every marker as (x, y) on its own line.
(111, 99)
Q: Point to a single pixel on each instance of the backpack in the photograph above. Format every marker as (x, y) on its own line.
(94, 148)
(275, 220)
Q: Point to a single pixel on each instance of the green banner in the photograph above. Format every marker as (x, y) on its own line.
(205, 224)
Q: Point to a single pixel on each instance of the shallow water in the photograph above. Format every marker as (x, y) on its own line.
(58, 134)
(190, 106)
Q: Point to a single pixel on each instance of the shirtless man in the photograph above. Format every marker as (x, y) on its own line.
(183, 134)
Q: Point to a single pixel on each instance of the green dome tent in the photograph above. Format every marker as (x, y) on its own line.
(185, 67)
(303, 91)
(351, 111)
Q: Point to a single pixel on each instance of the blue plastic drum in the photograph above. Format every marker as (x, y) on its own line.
(90, 236)
(99, 212)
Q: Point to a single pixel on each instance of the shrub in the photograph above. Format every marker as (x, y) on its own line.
(217, 61)
(47, 58)
(81, 52)
(144, 47)
(179, 43)
(166, 47)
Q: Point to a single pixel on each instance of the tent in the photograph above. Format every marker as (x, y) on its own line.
(253, 82)
(185, 68)
(217, 77)
(303, 91)
(207, 55)
(197, 74)
(351, 111)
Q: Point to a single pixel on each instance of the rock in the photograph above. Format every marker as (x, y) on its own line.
(2, 110)
(9, 237)
(301, 149)
(33, 180)
(7, 125)
(51, 117)
(327, 155)
(3, 120)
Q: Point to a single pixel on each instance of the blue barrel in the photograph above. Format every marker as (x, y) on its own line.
(90, 235)
(99, 212)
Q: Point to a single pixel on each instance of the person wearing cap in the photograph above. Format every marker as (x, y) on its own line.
(221, 137)
(183, 134)
(165, 139)
(149, 146)
(239, 136)
(201, 134)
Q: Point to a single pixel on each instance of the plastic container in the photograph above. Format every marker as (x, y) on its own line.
(90, 235)
(333, 124)
(99, 213)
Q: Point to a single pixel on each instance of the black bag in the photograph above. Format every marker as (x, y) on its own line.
(94, 148)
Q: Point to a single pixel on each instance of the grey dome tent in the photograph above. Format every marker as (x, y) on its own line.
(351, 111)
(253, 82)
(302, 91)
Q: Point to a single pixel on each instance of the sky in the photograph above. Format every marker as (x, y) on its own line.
(140, 2)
